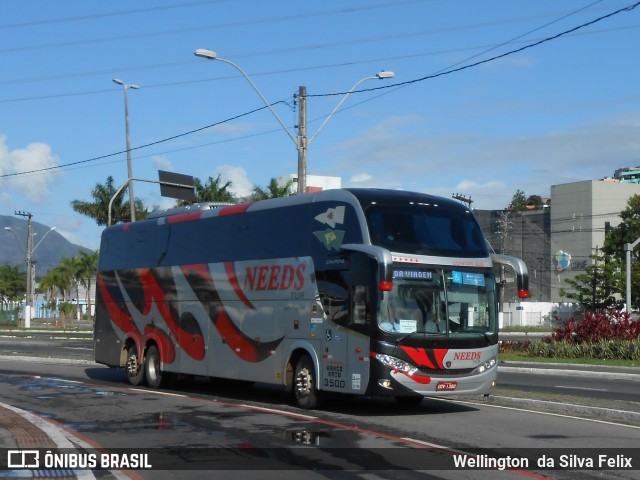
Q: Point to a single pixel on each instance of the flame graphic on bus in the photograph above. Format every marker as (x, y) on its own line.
(158, 295)
(201, 282)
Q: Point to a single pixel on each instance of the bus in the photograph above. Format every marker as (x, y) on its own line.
(354, 291)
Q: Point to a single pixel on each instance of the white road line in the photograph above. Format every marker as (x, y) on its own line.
(551, 414)
(582, 388)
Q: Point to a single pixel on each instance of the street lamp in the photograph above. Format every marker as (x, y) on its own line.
(126, 88)
(300, 141)
(378, 76)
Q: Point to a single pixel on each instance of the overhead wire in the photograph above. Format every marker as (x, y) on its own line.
(101, 157)
(176, 31)
(49, 21)
(156, 66)
(385, 87)
(449, 71)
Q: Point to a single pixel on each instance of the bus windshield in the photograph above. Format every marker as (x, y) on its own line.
(426, 229)
(439, 302)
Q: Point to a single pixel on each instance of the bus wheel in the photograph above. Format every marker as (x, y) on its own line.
(153, 372)
(304, 384)
(134, 368)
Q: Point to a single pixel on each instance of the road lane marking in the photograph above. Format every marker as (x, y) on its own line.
(582, 388)
(551, 414)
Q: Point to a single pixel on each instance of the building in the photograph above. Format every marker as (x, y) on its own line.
(557, 243)
(525, 235)
(627, 175)
(580, 214)
(315, 183)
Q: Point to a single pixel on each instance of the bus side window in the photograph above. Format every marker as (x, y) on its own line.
(359, 304)
(334, 296)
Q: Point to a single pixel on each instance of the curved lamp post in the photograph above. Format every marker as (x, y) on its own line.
(301, 140)
(126, 88)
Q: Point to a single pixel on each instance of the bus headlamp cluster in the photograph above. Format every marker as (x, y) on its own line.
(396, 363)
(485, 366)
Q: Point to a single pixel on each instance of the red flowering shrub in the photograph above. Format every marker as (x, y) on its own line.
(612, 325)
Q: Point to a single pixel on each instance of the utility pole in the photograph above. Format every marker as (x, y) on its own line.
(463, 199)
(628, 248)
(504, 223)
(302, 139)
(595, 281)
(30, 271)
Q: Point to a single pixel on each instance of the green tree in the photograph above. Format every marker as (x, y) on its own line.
(627, 231)
(535, 201)
(73, 271)
(56, 285)
(99, 208)
(13, 283)
(87, 271)
(597, 287)
(518, 202)
(213, 190)
(273, 190)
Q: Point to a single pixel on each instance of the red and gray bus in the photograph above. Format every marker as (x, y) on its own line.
(354, 291)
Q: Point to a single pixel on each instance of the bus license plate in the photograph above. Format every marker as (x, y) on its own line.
(446, 386)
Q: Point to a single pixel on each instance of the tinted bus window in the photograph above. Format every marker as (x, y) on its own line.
(426, 230)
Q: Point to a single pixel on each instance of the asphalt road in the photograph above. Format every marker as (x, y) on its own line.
(253, 431)
(609, 388)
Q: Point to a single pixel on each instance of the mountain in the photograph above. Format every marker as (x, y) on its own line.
(47, 254)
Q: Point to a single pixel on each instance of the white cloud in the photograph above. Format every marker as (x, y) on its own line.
(161, 163)
(360, 178)
(241, 186)
(233, 129)
(404, 153)
(467, 185)
(34, 157)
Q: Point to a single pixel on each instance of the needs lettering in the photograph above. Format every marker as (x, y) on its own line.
(275, 277)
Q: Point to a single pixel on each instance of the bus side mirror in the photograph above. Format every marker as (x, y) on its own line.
(520, 269)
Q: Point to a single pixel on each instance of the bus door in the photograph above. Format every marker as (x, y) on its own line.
(345, 348)
(333, 332)
(358, 345)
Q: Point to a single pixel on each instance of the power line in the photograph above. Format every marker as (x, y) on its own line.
(49, 21)
(138, 147)
(491, 59)
(394, 86)
(157, 66)
(210, 27)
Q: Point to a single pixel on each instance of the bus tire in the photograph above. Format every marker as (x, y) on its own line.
(304, 387)
(134, 367)
(152, 369)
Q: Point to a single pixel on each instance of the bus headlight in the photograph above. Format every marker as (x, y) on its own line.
(485, 366)
(395, 363)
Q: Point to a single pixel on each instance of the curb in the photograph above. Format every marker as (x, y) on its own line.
(614, 375)
(564, 408)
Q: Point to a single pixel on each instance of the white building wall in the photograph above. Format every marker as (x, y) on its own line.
(314, 182)
(579, 212)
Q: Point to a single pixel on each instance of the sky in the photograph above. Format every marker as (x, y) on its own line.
(489, 96)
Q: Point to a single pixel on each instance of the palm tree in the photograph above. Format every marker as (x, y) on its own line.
(74, 272)
(55, 284)
(211, 191)
(273, 190)
(99, 208)
(87, 269)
